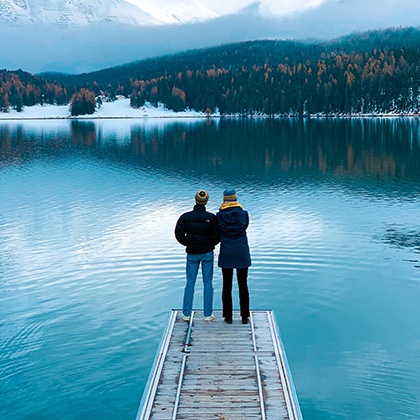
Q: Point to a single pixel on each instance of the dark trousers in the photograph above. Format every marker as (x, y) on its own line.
(241, 275)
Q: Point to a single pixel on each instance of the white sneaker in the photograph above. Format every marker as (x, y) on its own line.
(209, 318)
(186, 318)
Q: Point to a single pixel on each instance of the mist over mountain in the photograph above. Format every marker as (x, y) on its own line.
(92, 38)
(368, 73)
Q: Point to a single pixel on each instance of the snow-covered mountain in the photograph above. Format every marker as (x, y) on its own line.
(84, 12)
(151, 13)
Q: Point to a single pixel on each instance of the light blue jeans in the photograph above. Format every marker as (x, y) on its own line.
(193, 264)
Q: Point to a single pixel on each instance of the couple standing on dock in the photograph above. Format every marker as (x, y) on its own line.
(200, 231)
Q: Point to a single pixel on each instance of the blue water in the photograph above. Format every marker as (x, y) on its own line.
(89, 266)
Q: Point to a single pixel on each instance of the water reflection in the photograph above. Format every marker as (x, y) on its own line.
(83, 133)
(263, 149)
(381, 150)
(400, 237)
(89, 265)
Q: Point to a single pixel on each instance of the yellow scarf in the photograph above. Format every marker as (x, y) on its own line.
(228, 204)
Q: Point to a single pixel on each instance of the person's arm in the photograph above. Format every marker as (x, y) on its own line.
(180, 232)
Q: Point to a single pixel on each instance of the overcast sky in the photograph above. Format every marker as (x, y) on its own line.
(278, 7)
(222, 7)
(286, 7)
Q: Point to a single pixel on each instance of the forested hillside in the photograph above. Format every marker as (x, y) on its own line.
(19, 88)
(374, 72)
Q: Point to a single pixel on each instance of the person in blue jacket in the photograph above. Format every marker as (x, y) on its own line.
(234, 253)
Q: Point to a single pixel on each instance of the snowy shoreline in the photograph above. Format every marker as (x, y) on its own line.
(121, 109)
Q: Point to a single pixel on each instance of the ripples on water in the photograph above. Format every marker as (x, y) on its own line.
(89, 267)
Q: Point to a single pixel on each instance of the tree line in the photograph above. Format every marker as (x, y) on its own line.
(19, 88)
(373, 72)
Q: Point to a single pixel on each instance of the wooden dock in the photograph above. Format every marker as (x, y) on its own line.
(213, 370)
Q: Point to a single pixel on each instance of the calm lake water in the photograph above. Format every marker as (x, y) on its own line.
(89, 266)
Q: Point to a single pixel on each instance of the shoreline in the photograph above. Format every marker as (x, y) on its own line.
(168, 117)
(104, 118)
(121, 109)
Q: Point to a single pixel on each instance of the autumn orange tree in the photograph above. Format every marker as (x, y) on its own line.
(4, 101)
(82, 102)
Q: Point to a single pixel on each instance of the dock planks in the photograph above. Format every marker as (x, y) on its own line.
(213, 370)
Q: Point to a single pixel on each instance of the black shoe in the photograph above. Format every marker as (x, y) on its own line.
(228, 320)
(245, 320)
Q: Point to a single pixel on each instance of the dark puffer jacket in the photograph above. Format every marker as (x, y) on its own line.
(197, 230)
(234, 249)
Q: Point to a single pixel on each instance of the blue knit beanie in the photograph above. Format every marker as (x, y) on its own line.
(229, 194)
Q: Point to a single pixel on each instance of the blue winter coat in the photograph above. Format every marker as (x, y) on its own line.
(234, 249)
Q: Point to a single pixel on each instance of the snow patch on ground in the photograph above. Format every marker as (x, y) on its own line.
(117, 109)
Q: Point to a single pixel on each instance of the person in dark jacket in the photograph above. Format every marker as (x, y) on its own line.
(234, 253)
(197, 231)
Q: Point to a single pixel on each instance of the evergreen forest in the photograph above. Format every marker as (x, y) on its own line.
(364, 73)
